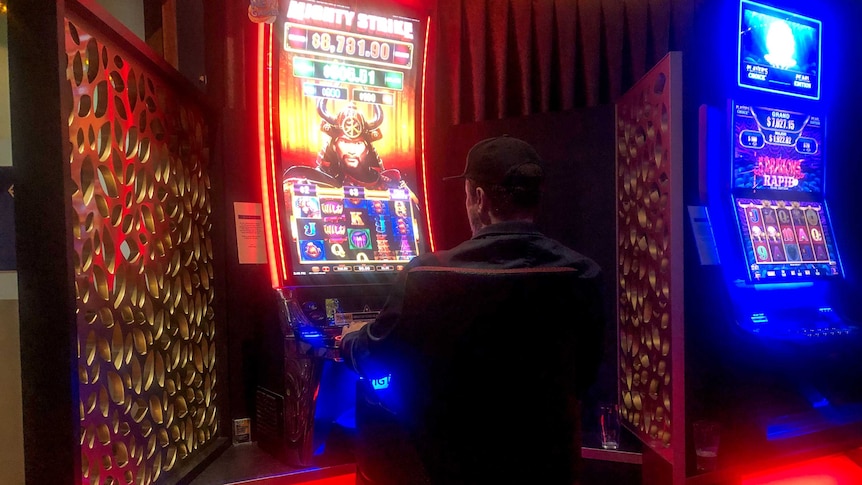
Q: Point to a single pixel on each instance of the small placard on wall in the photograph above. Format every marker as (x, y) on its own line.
(250, 238)
(242, 430)
(703, 235)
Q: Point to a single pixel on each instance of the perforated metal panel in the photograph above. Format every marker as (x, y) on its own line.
(141, 218)
(650, 255)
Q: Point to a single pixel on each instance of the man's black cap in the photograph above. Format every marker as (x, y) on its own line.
(495, 161)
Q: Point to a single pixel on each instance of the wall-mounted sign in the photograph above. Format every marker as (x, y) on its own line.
(250, 242)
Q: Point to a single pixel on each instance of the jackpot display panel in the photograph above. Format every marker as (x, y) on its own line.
(777, 149)
(344, 143)
(340, 96)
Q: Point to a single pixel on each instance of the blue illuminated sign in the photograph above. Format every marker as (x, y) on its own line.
(779, 51)
(381, 383)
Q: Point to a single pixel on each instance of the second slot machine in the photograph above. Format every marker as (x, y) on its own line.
(782, 379)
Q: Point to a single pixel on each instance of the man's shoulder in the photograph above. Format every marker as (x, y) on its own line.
(586, 265)
(434, 258)
(564, 255)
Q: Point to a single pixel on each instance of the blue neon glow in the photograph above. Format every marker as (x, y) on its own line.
(817, 419)
(815, 397)
(320, 449)
(336, 398)
(347, 419)
(308, 332)
(775, 286)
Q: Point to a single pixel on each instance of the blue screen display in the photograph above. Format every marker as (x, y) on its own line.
(786, 241)
(779, 51)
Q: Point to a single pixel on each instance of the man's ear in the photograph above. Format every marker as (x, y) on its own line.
(482, 201)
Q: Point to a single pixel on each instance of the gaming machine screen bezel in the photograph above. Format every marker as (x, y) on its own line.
(761, 247)
(320, 273)
(754, 69)
(777, 149)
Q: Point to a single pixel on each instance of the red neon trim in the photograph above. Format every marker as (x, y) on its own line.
(422, 136)
(277, 189)
(262, 55)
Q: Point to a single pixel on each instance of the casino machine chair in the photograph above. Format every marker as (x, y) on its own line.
(482, 379)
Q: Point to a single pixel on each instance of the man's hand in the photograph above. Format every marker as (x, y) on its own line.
(352, 327)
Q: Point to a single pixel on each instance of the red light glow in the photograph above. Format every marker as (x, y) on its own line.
(264, 113)
(422, 131)
(828, 470)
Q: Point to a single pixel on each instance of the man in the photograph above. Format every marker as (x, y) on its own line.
(503, 181)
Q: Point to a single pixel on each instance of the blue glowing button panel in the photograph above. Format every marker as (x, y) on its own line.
(799, 324)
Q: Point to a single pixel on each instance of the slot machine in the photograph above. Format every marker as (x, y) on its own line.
(780, 376)
(341, 91)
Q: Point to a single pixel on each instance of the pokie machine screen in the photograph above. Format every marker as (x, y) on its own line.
(777, 182)
(349, 86)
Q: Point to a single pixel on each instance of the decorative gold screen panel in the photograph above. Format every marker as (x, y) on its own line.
(140, 214)
(647, 255)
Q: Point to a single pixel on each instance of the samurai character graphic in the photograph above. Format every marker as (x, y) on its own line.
(349, 157)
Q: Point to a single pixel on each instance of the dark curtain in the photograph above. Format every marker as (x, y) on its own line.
(502, 59)
(505, 58)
